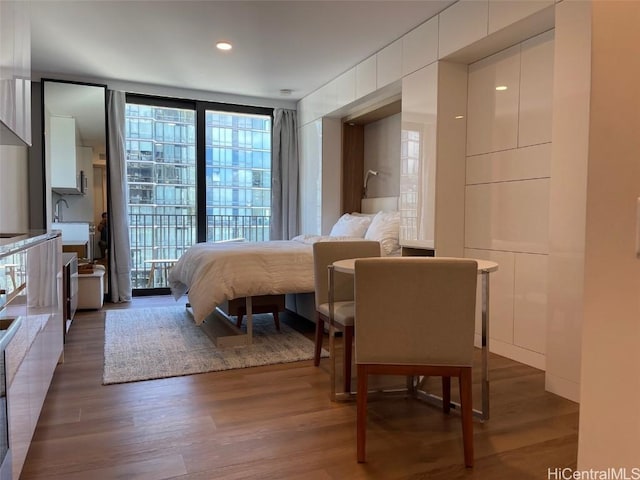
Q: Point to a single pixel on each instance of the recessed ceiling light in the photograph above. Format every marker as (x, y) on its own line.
(500, 88)
(223, 45)
(285, 92)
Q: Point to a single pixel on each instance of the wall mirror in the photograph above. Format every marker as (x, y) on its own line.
(75, 149)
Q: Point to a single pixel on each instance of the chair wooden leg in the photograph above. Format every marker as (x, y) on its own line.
(466, 407)
(348, 349)
(361, 415)
(446, 394)
(319, 335)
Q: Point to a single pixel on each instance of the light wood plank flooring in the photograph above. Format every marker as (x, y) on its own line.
(277, 422)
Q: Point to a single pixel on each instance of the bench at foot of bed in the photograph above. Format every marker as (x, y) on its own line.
(272, 304)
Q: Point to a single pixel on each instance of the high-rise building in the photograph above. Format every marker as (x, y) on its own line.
(162, 179)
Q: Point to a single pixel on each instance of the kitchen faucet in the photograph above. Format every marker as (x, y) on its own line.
(57, 216)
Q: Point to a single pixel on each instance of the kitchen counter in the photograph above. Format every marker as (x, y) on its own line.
(31, 331)
(13, 243)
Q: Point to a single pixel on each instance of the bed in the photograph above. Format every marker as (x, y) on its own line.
(212, 273)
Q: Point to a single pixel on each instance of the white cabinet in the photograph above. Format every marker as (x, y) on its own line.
(32, 354)
(420, 46)
(462, 24)
(432, 153)
(310, 137)
(66, 169)
(536, 81)
(418, 155)
(15, 73)
(503, 13)
(494, 95)
(389, 64)
(366, 81)
(320, 185)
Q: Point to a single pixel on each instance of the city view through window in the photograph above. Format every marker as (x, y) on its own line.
(162, 168)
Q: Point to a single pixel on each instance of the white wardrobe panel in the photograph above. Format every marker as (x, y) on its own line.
(530, 302)
(418, 155)
(462, 24)
(515, 164)
(536, 90)
(420, 46)
(304, 111)
(512, 216)
(328, 97)
(366, 76)
(311, 177)
(492, 115)
(389, 64)
(313, 105)
(505, 12)
(346, 88)
(501, 294)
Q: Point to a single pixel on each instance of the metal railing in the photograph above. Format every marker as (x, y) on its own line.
(158, 237)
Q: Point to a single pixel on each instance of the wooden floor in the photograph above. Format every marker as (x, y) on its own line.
(277, 422)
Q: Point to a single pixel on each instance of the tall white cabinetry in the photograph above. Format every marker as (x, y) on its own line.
(320, 177)
(32, 303)
(15, 73)
(507, 190)
(432, 153)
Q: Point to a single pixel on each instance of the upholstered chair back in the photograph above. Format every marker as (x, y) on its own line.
(325, 253)
(415, 311)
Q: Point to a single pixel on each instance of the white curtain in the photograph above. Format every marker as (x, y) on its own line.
(284, 175)
(119, 245)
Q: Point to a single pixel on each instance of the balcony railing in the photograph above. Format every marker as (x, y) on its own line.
(167, 237)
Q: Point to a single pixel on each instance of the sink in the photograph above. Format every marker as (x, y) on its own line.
(72, 232)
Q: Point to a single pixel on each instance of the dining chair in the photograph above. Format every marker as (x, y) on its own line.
(415, 316)
(324, 254)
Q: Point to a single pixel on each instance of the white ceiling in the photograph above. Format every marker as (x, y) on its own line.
(296, 45)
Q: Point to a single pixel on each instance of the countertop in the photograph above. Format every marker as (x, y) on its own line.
(13, 244)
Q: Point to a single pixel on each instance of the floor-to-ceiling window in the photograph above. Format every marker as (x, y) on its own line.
(196, 172)
(238, 175)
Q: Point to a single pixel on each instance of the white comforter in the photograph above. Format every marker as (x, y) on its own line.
(214, 272)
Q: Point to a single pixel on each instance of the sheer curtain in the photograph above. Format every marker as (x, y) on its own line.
(119, 245)
(284, 175)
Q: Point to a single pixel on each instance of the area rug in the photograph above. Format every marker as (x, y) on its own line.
(150, 343)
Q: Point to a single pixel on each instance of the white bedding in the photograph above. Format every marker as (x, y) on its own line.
(214, 272)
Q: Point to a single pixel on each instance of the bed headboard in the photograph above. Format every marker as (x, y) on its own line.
(374, 205)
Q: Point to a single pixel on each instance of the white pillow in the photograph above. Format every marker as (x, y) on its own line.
(350, 226)
(385, 228)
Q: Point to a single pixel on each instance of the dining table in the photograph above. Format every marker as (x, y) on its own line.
(485, 268)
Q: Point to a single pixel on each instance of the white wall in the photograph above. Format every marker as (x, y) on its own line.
(610, 379)
(572, 77)
(14, 205)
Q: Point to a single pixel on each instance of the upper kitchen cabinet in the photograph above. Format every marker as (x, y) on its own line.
(67, 177)
(15, 74)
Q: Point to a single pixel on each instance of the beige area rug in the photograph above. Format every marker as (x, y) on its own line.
(149, 343)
